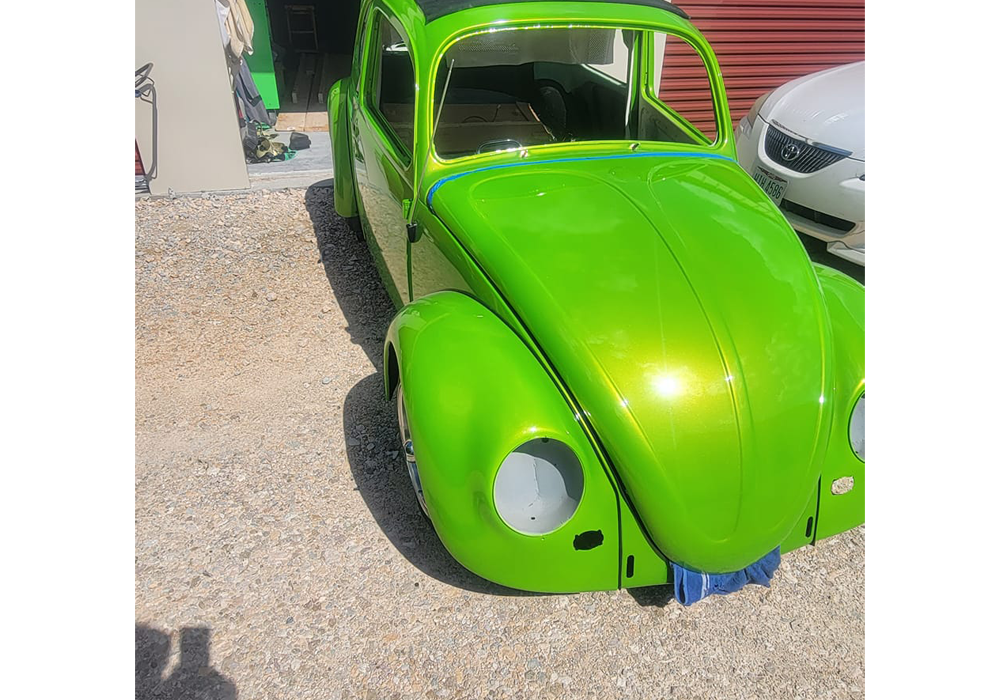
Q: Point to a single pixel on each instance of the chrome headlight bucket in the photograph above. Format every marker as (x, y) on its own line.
(856, 429)
(538, 487)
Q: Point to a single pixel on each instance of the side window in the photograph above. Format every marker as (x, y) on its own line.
(390, 84)
(680, 81)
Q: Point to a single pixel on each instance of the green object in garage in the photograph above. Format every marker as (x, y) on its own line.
(261, 63)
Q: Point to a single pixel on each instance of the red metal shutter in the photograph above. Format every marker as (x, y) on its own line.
(762, 44)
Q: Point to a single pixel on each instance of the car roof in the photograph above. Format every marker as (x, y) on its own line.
(433, 9)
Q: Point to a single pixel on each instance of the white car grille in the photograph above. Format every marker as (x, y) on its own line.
(798, 155)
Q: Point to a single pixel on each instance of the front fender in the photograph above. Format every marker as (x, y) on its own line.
(474, 392)
(845, 300)
(344, 201)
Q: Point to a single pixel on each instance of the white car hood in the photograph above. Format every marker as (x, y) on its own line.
(826, 107)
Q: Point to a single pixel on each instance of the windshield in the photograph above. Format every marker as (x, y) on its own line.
(513, 89)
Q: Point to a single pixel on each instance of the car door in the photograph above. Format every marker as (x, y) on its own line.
(383, 145)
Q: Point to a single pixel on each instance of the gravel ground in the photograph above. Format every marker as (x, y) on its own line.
(280, 552)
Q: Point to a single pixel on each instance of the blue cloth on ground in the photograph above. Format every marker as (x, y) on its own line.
(692, 586)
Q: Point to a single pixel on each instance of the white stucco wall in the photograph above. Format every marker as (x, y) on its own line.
(197, 133)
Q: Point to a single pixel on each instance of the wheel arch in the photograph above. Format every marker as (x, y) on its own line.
(390, 369)
(337, 107)
(465, 421)
(845, 298)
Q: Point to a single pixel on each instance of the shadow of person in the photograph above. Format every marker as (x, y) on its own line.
(192, 679)
(369, 420)
(152, 651)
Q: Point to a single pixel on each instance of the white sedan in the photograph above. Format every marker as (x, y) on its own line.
(804, 144)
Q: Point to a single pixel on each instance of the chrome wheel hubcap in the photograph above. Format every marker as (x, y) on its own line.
(408, 452)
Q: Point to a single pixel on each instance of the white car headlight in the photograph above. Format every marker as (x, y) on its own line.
(755, 110)
(856, 430)
(538, 487)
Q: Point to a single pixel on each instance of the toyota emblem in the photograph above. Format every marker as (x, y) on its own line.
(790, 152)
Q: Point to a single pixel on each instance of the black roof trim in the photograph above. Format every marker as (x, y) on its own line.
(433, 9)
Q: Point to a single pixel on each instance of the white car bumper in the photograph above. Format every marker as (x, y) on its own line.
(828, 204)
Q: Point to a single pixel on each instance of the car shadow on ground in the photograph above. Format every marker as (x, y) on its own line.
(192, 677)
(370, 428)
(652, 596)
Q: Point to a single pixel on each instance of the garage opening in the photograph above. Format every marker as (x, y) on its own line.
(300, 50)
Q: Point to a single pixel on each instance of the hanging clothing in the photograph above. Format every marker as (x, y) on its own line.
(251, 102)
(236, 25)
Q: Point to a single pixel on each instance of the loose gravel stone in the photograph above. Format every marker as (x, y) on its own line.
(280, 552)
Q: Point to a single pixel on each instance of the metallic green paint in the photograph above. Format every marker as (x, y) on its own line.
(845, 300)
(804, 531)
(657, 314)
(649, 567)
(344, 200)
(701, 369)
(384, 175)
(473, 393)
(440, 262)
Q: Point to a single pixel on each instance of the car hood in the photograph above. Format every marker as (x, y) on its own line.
(827, 107)
(684, 316)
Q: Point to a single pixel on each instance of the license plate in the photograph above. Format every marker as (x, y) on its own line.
(773, 186)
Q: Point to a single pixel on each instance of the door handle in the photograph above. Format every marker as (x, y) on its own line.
(412, 231)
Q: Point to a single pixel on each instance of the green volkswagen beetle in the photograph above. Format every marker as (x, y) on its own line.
(612, 355)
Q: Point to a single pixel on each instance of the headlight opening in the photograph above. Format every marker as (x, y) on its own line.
(538, 486)
(856, 429)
